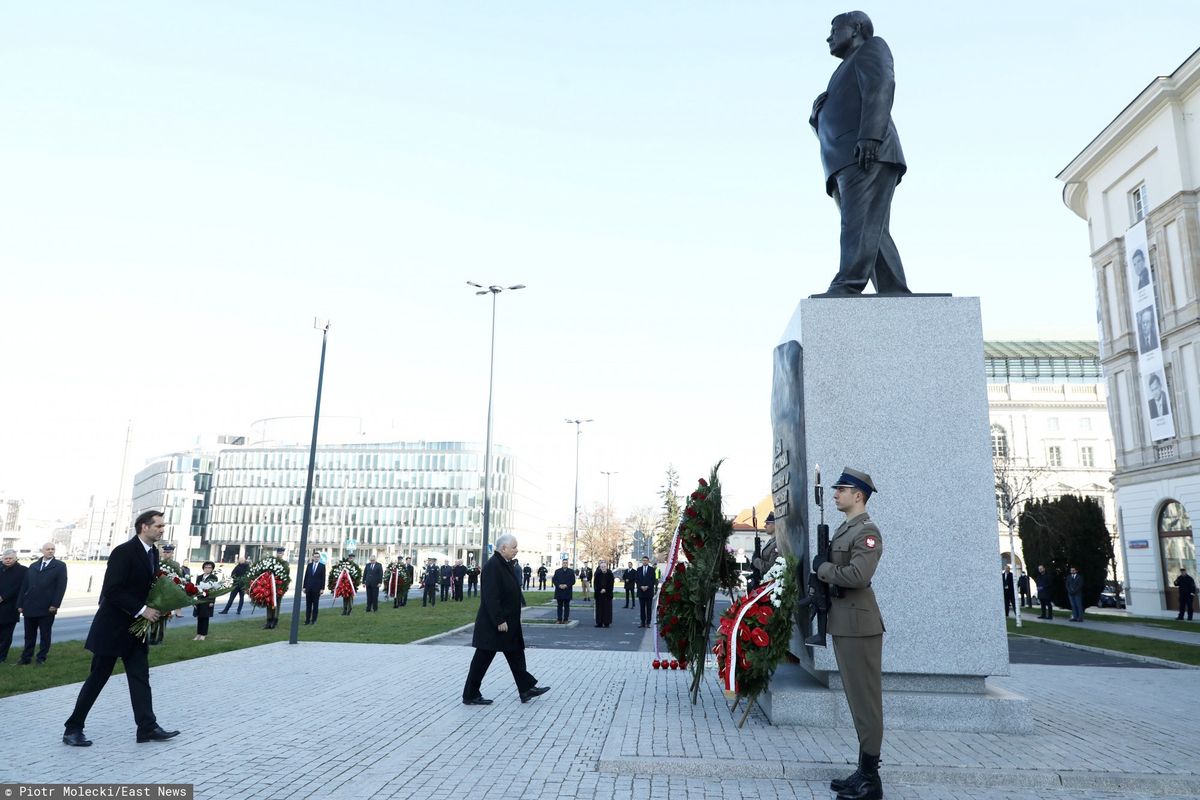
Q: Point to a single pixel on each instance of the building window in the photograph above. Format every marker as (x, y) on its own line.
(1085, 424)
(1177, 547)
(1139, 203)
(999, 442)
(1052, 423)
(1054, 456)
(1087, 456)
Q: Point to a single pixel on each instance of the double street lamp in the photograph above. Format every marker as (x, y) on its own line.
(578, 423)
(487, 449)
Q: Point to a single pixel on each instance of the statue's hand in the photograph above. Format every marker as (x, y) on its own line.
(816, 109)
(866, 151)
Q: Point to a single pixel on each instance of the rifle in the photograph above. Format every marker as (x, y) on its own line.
(817, 598)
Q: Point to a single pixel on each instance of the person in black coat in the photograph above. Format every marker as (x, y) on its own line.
(429, 583)
(473, 580)
(372, 576)
(527, 575)
(1045, 584)
(1187, 593)
(12, 575)
(203, 612)
(603, 581)
(498, 627)
(401, 598)
(127, 581)
(314, 587)
(1023, 590)
(542, 572)
(41, 595)
(646, 581)
(459, 576)
(445, 575)
(238, 576)
(1010, 597)
(630, 579)
(1075, 594)
(564, 579)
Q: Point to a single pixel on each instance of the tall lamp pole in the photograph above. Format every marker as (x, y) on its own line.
(578, 423)
(608, 498)
(323, 326)
(487, 448)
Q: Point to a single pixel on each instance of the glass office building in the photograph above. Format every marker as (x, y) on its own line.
(399, 498)
(179, 485)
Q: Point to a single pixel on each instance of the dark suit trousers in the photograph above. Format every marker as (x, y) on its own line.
(445, 592)
(372, 598)
(430, 595)
(473, 589)
(1047, 604)
(458, 590)
(1010, 602)
(35, 626)
(630, 596)
(604, 609)
(864, 198)
(479, 667)
(6, 632)
(137, 674)
(645, 600)
(312, 603)
(563, 611)
(241, 598)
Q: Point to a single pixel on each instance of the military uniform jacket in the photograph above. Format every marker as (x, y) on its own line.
(854, 553)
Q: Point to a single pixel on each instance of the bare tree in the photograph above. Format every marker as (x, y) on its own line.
(600, 534)
(645, 520)
(1017, 483)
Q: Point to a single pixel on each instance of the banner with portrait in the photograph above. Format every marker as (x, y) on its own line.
(1156, 405)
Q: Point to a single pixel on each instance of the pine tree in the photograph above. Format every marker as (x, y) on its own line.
(668, 522)
(1063, 533)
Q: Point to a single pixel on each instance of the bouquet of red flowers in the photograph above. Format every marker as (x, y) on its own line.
(268, 581)
(170, 592)
(397, 579)
(754, 633)
(345, 577)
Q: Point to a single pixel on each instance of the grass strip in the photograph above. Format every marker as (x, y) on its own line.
(1117, 642)
(69, 662)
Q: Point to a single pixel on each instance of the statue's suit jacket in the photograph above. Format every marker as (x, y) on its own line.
(858, 105)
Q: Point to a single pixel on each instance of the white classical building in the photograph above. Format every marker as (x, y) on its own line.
(1049, 420)
(1137, 185)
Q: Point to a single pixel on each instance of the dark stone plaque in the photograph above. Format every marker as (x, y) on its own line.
(789, 479)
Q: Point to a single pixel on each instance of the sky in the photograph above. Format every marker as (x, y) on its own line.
(185, 186)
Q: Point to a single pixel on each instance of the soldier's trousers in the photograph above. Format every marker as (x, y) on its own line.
(860, 662)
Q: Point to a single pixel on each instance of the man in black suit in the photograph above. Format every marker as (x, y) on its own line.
(472, 580)
(1158, 398)
(429, 583)
(861, 156)
(314, 587)
(498, 627)
(12, 576)
(527, 576)
(238, 575)
(564, 580)
(646, 581)
(1010, 598)
(372, 577)
(629, 576)
(127, 581)
(459, 575)
(41, 595)
(541, 573)
(1147, 330)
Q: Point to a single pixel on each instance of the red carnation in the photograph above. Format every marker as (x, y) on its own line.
(177, 581)
(191, 589)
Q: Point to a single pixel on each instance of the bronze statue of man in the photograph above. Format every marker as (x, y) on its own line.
(860, 151)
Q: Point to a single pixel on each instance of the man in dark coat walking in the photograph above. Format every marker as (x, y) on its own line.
(1185, 583)
(41, 595)
(238, 576)
(127, 581)
(314, 585)
(12, 575)
(564, 580)
(498, 627)
(372, 577)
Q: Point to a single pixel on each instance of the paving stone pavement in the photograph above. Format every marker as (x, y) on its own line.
(330, 720)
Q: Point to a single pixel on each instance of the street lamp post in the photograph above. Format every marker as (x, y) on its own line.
(578, 423)
(487, 448)
(323, 326)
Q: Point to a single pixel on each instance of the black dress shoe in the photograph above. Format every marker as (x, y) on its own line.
(529, 694)
(477, 701)
(76, 739)
(156, 735)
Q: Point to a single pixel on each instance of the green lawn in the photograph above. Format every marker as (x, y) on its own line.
(1122, 643)
(69, 662)
(1158, 622)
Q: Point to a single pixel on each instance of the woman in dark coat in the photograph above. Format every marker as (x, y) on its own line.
(203, 612)
(603, 581)
(498, 627)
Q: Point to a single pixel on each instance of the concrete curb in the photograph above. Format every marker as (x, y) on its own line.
(1146, 783)
(1161, 662)
(452, 631)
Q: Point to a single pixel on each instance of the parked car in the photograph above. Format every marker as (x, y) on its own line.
(1111, 596)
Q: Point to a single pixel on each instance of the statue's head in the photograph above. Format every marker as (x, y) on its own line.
(848, 31)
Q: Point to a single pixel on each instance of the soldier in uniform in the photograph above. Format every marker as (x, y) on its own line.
(429, 583)
(857, 627)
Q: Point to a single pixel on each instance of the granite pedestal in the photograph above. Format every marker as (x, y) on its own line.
(895, 386)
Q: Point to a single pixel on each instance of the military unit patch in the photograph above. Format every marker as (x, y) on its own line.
(871, 541)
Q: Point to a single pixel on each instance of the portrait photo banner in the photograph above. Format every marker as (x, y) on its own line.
(1156, 404)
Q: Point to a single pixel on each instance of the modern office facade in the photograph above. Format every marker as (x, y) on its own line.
(179, 485)
(1049, 426)
(397, 499)
(1138, 187)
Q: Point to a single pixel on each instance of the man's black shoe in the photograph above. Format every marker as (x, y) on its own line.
(477, 701)
(23, 662)
(529, 694)
(226, 611)
(76, 739)
(156, 735)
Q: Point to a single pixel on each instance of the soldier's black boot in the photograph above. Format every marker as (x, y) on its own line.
(853, 779)
(869, 786)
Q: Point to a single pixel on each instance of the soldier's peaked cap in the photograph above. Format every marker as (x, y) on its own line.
(853, 479)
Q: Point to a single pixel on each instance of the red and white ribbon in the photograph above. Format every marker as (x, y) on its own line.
(731, 659)
(273, 598)
(392, 582)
